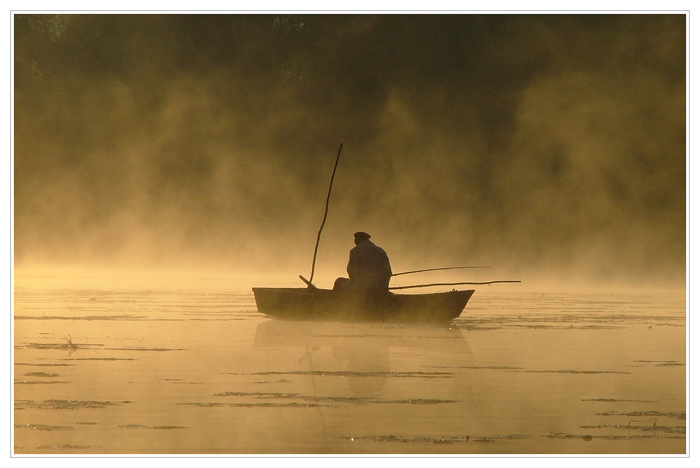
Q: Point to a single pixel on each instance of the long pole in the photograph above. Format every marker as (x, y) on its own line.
(437, 269)
(448, 284)
(325, 215)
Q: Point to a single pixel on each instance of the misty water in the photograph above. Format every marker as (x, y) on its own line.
(105, 370)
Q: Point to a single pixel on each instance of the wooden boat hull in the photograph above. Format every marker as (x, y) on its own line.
(324, 304)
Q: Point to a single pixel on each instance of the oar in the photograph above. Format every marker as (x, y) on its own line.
(437, 269)
(449, 284)
(308, 283)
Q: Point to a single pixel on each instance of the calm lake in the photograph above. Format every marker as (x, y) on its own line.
(200, 371)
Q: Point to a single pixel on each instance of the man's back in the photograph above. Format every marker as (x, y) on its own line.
(369, 267)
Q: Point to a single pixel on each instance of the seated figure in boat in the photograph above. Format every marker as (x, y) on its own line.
(368, 267)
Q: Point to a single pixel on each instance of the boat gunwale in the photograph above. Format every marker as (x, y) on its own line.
(312, 291)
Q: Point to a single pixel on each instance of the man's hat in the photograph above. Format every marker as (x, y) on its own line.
(359, 236)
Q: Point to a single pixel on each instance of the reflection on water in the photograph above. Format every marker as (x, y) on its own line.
(99, 371)
(362, 351)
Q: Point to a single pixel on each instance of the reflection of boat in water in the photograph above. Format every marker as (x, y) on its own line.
(363, 350)
(286, 333)
(322, 304)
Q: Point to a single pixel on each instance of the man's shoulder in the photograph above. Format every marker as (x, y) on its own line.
(364, 246)
(368, 247)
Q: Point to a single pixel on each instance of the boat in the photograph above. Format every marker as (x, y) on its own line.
(323, 305)
(316, 304)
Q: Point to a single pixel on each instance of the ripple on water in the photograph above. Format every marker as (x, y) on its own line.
(432, 440)
(588, 437)
(161, 428)
(641, 414)
(417, 374)
(322, 399)
(43, 427)
(65, 404)
(39, 382)
(629, 427)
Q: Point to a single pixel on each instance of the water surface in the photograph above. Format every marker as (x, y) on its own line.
(149, 371)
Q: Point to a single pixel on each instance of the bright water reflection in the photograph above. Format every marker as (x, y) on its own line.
(100, 371)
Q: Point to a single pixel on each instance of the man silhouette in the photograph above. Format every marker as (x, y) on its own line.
(369, 268)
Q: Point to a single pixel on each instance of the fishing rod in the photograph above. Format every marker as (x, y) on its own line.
(325, 215)
(450, 284)
(437, 269)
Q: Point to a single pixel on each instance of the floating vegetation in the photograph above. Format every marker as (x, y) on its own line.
(203, 405)
(546, 371)
(615, 400)
(321, 399)
(296, 396)
(431, 440)
(75, 447)
(71, 345)
(40, 374)
(628, 427)
(65, 404)
(590, 318)
(572, 371)
(46, 346)
(545, 323)
(84, 317)
(407, 440)
(662, 363)
(146, 349)
(255, 405)
(259, 394)
(38, 382)
(505, 368)
(42, 427)
(588, 437)
(162, 428)
(641, 414)
(267, 382)
(418, 401)
(43, 365)
(103, 359)
(423, 375)
(563, 435)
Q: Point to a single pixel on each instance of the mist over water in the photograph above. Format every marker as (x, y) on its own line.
(545, 146)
